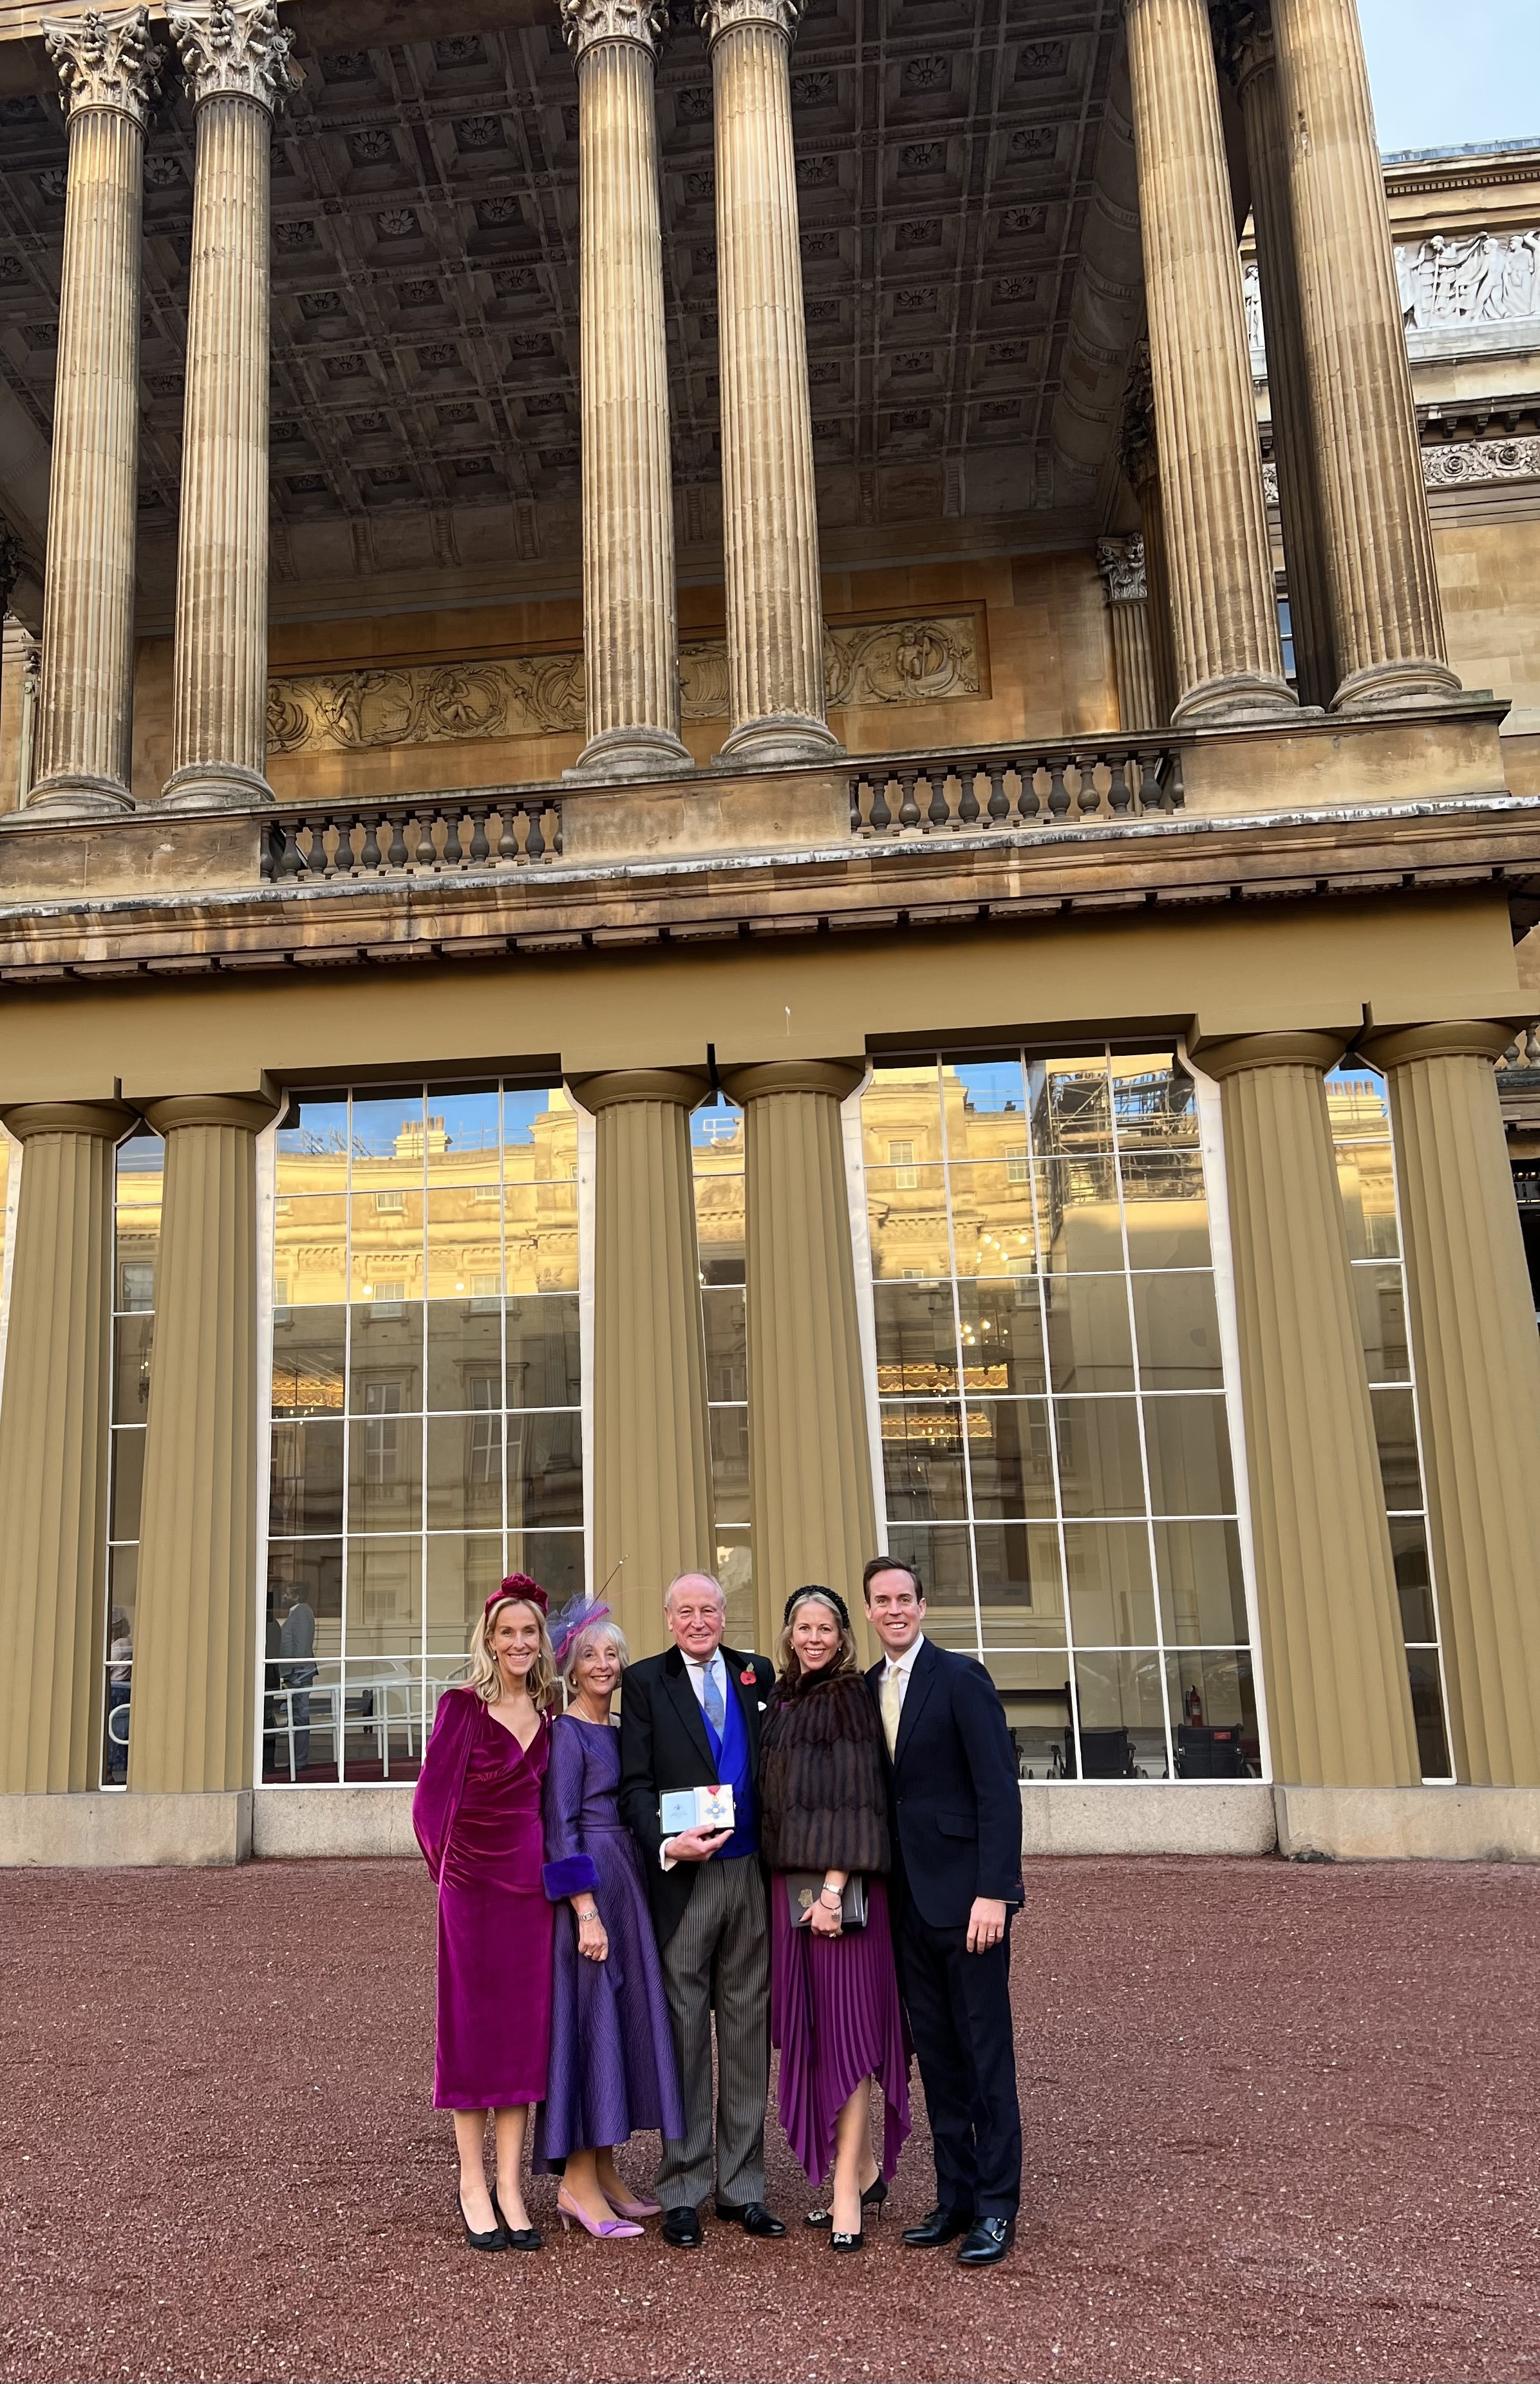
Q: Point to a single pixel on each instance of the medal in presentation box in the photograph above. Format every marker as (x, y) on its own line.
(696, 1808)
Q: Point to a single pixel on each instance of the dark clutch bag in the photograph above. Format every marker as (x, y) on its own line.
(802, 1894)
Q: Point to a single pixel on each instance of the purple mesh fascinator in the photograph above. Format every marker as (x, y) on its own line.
(574, 1618)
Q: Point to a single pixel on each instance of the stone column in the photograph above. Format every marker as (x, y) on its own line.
(1224, 616)
(1478, 1378)
(769, 507)
(1121, 565)
(54, 1419)
(809, 1465)
(652, 1437)
(1333, 1662)
(195, 1676)
(1141, 465)
(1244, 29)
(235, 59)
(108, 68)
(630, 614)
(1387, 627)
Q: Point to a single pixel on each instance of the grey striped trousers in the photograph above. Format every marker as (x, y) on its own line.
(718, 1959)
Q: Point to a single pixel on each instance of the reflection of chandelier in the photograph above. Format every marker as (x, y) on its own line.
(933, 1381)
(935, 1431)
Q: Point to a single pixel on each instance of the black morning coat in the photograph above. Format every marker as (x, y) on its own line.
(663, 1746)
(957, 1805)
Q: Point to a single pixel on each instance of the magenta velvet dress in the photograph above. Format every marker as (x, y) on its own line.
(477, 1813)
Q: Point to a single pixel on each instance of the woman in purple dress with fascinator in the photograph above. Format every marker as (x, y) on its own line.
(613, 2066)
(477, 1813)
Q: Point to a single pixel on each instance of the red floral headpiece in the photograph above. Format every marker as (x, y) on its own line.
(519, 1586)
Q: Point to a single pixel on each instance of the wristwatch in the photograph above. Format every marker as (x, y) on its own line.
(827, 1890)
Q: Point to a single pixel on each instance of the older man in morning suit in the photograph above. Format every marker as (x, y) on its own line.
(957, 1874)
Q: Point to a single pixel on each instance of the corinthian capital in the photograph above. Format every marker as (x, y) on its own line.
(234, 46)
(106, 61)
(716, 17)
(1121, 564)
(588, 23)
(1243, 36)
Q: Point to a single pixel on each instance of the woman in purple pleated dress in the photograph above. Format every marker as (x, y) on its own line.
(477, 1813)
(613, 2068)
(835, 2011)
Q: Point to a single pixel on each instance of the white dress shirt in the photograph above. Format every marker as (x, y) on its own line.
(696, 1673)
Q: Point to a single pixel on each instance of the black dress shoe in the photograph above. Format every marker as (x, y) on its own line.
(987, 2240)
(873, 2199)
(517, 2239)
(855, 2242)
(682, 2228)
(938, 2225)
(753, 2217)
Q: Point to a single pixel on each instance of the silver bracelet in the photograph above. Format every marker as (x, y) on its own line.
(592, 1915)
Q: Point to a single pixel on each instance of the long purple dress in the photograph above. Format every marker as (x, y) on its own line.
(477, 1813)
(613, 2068)
(836, 2018)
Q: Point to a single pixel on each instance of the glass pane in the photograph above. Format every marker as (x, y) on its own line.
(1112, 1602)
(385, 1474)
(387, 1349)
(545, 1472)
(122, 1580)
(464, 1472)
(464, 1134)
(1396, 1434)
(1079, 1221)
(916, 1339)
(464, 1240)
(310, 1234)
(1367, 1182)
(902, 1106)
(992, 1215)
(464, 1353)
(1409, 1548)
(906, 1210)
(384, 1603)
(1071, 1105)
(729, 1464)
(140, 1172)
(385, 1258)
(127, 1483)
(716, 1137)
(388, 1141)
(1165, 1206)
(308, 1572)
(1213, 1716)
(540, 1236)
(941, 1559)
(140, 1178)
(1202, 1588)
(986, 1107)
(306, 1486)
(1088, 1340)
(544, 1357)
(1002, 1336)
(735, 1571)
(1358, 1105)
(539, 1120)
(313, 1147)
(1035, 1691)
(922, 1461)
(1012, 1456)
(1427, 1707)
(1187, 1442)
(1020, 1590)
(717, 1160)
(309, 1348)
(553, 1558)
(726, 1324)
(1099, 1472)
(1122, 1721)
(463, 1571)
(1153, 1099)
(132, 1336)
(1381, 1301)
(1176, 1319)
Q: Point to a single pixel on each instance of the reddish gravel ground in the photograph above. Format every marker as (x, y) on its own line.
(1281, 2123)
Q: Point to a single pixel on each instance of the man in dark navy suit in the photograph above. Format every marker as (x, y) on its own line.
(957, 1876)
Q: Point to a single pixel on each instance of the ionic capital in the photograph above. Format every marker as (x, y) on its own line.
(586, 23)
(717, 17)
(683, 1088)
(1471, 1038)
(234, 48)
(1243, 37)
(1235, 1055)
(1121, 565)
(835, 1079)
(106, 62)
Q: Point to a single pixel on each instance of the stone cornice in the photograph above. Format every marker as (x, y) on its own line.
(718, 17)
(234, 48)
(106, 62)
(586, 23)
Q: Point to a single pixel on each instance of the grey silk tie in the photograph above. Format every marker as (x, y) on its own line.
(711, 1698)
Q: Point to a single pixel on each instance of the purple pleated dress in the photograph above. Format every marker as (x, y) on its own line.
(613, 2067)
(836, 2018)
(477, 1816)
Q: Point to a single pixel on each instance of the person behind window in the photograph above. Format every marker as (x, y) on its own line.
(119, 1675)
(298, 1668)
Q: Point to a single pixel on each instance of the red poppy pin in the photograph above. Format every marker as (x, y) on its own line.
(747, 1676)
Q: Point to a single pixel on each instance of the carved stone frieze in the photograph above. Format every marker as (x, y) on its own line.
(106, 61)
(716, 16)
(1477, 464)
(1121, 565)
(1462, 285)
(236, 48)
(586, 22)
(932, 659)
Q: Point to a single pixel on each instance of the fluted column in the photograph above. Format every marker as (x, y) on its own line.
(1244, 29)
(1387, 626)
(769, 505)
(810, 1466)
(1478, 1379)
(630, 613)
(1224, 616)
(1121, 565)
(235, 59)
(195, 1620)
(651, 1440)
(109, 70)
(54, 1433)
(1334, 1664)
(1141, 465)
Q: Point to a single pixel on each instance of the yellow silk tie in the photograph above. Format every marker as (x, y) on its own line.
(892, 1707)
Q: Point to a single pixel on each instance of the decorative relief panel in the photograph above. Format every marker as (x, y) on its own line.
(1455, 285)
(937, 658)
(1478, 463)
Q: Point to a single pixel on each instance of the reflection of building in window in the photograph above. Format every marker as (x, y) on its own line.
(136, 1287)
(390, 1204)
(901, 1157)
(1017, 1166)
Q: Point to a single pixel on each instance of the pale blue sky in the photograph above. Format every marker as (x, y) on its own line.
(1445, 77)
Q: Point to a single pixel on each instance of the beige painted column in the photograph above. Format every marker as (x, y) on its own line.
(1225, 617)
(630, 613)
(769, 505)
(1333, 1663)
(1141, 463)
(108, 71)
(652, 1437)
(1245, 31)
(809, 1464)
(195, 1676)
(53, 1433)
(1121, 565)
(1478, 1377)
(235, 61)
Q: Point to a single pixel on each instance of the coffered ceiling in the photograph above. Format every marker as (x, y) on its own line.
(958, 167)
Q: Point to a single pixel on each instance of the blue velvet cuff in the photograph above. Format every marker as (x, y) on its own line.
(572, 1876)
